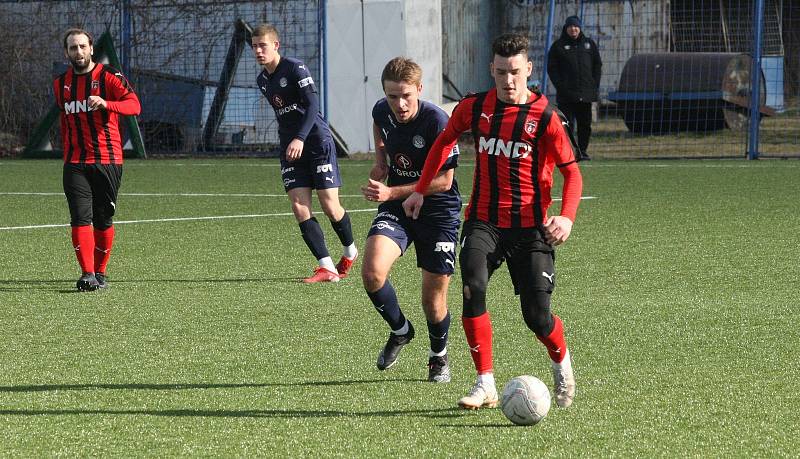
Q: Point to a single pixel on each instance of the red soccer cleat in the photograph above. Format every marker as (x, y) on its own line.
(321, 275)
(344, 265)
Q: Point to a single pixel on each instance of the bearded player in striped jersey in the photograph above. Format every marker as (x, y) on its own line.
(519, 140)
(90, 97)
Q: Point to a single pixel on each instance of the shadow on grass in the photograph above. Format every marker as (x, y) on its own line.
(22, 285)
(79, 387)
(286, 414)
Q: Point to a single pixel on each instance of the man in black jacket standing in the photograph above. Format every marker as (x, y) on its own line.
(574, 66)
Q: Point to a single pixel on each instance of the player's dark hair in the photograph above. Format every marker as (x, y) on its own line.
(76, 31)
(402, 69)
(510, 44)
(266, 30)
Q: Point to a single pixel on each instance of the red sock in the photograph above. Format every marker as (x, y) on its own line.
(83, 242)
(479, 337)
(103, 240)
(554, 342)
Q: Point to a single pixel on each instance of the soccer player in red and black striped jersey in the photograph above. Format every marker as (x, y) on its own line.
(519, 140)
(90, 97)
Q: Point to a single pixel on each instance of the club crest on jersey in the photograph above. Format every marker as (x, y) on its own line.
(510, 149)
(402, 160)
(95, 84)
(277, 101)
(418, 141)
(530, 126)
(283, 82)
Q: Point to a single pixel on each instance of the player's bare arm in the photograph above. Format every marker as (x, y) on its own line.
(377, 191)
(380, 170)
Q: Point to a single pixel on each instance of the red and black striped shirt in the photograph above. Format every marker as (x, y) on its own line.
(514, 160)
(92, 136)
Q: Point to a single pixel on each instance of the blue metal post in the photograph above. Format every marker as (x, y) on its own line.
(125, 36)
(547, 41)
(755, 81)
(323, 58)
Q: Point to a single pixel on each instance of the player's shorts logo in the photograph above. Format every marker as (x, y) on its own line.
(277, 101)
(381, 225)
(324, 168)
(287, 169)
(283, 82)
(419, 142)
(403, 161)
(288, 181)
(445, 247)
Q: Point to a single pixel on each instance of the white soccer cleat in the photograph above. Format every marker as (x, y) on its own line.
(480, 396)
(564, 381)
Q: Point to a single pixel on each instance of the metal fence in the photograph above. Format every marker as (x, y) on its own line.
(179, 55)
(677, 74)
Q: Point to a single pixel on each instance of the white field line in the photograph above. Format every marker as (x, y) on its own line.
(213, 217)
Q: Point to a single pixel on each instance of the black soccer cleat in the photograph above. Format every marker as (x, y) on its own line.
(87, 283)
(438, 369)
(388, 355)
(102, 282)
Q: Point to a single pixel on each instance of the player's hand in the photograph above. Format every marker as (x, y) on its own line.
(96, 103)
(376, 191)
(557, 229)
(413, 204)
(294, 150)
(379, 172)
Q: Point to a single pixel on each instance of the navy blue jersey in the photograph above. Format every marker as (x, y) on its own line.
(407, 146)
(292, 93)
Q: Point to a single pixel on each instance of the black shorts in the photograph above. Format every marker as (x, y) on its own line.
(91, 191)
(434, 239)
(530, 258)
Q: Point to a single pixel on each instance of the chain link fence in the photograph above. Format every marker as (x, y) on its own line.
(676, 74)
(189, 61)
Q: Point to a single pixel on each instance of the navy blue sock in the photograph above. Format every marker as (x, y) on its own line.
(343, 230)
(314, 237)
(438, 334)
(385, 302)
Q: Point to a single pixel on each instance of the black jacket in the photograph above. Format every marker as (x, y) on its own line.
(574, 67)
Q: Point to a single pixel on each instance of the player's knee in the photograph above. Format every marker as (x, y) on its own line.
(371, 279)
(474, 298)
(536, 312)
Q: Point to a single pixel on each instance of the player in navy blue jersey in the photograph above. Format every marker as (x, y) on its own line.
(308, 154)
(404, 128)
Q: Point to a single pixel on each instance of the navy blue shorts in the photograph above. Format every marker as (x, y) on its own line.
(434, 239)
(317, 168)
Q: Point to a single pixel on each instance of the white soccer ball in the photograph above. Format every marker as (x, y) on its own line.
(525, 400)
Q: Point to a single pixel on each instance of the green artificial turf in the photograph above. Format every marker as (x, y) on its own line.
(678, 289)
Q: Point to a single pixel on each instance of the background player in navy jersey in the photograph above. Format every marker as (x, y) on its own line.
(90, 97)
(404, 128)
(519, 140)
(308, 154)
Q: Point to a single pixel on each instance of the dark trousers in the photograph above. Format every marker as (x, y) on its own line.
(579, 115)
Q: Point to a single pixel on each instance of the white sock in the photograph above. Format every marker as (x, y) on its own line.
(350, 251)
(437, 354)
(403, 330)
(327, 263)
(486, 379)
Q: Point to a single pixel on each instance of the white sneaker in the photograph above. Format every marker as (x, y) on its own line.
(564, 381)
(481, 395)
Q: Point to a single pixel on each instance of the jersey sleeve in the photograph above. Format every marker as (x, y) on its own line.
(443, 146)
(120, 97)
(437, 125)
(558, 144)
(310, 100)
